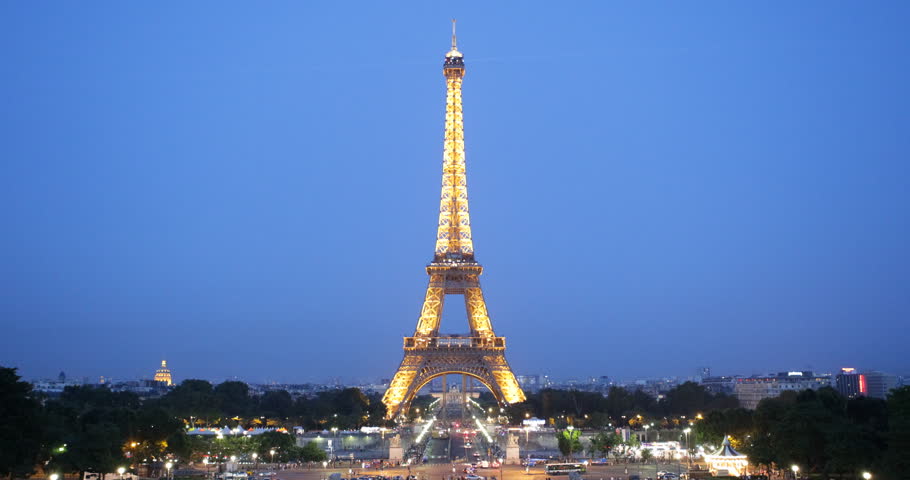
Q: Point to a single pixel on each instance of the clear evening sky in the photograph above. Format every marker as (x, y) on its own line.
(251, 189)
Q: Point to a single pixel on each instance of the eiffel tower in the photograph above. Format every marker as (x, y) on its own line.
(453, 271)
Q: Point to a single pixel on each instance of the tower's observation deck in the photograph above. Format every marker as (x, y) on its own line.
(453, 271)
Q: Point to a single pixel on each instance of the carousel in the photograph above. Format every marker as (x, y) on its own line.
(727, 461)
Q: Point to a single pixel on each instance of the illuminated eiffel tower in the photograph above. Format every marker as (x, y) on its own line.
(453, 271)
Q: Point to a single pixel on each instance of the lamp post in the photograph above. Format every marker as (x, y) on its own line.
(168, 466)
(205, 461)
(120, 471)
(795, 469)
(646, 432)
(255, 461)
(688, 452)
(233, 463)
(272, 453)
(54, 476)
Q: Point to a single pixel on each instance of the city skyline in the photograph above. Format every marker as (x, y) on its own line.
(353, 380)
(243, 191)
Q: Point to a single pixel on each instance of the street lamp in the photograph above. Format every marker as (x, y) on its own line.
(325, 464)
(234, 463)
(54, 476)
(255, 462)
(688, 452)
(867, 475)
(168, 466)
(646, 432)
(272, 453)
(795, 469)
(120, 471)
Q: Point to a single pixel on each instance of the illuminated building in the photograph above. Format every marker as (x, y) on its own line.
(751, 390)
(852, 384)
(163, 374)
(453, 271)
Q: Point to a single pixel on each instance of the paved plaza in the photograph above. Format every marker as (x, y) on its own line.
(508, 472)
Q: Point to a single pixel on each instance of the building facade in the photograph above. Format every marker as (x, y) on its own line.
(752, 390)
(851, 383)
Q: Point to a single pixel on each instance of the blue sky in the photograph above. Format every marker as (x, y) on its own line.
(252, 190)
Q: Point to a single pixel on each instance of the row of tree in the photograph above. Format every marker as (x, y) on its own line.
(820, 431)
(230, 403)
(95, 429)
(620, 407)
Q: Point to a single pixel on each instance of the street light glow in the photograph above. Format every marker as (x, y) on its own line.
(867, 475)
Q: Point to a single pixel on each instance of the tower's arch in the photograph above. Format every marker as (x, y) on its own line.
(427, 377)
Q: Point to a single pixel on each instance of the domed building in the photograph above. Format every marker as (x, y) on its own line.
(163, 374)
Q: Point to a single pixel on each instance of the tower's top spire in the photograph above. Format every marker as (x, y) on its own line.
(454, 43)
(454, 52)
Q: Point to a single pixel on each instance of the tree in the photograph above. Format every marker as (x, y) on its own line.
(569, 441)
(646, 455)
(686, 399)
(194, 398)
(604, 442)
(233, 398)
(278, 441)
(95, 446)
(312, 453)
(897, 461)
(152, 430)
(92, 425)
(716, 425)
(21, 431)
(276, 403)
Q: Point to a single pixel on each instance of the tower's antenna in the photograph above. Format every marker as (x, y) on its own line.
(454, 47)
